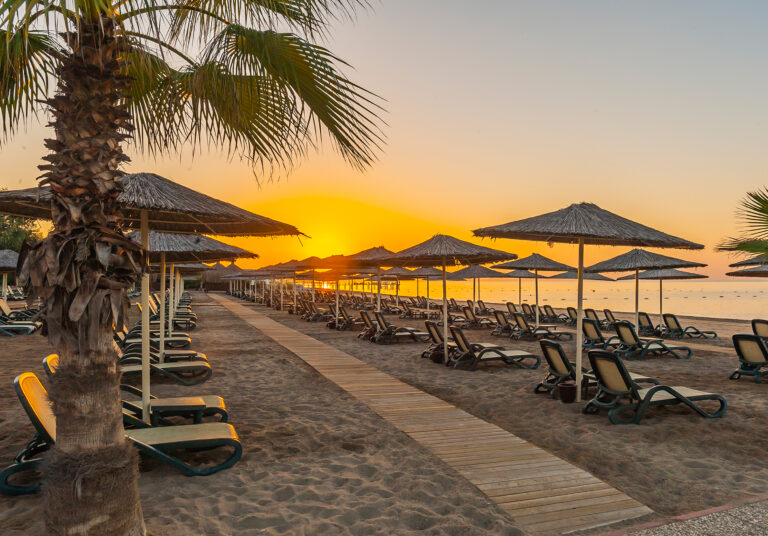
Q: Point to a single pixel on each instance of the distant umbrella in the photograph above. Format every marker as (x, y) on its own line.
(584, 223)
(661, 275)
(752, 261)
(444, 250)
(755, 271)
(8, 261)
(520, 275)
(186, 248)
(537, 263)
(475, 272)
(574, 275)
(636, 260)
(426, 272)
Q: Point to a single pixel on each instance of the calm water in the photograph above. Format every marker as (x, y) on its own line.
(719, 299)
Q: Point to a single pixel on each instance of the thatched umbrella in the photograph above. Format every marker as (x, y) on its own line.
(8, 261)
(397, 274)
(172, 247)
(520, 275)
(584, 223)
(475, 272)
(661, 275)
(443, 250)
(371, 258)
(755, 271)
(148, 200)
(637, 260)
(574, 275)
(752, 261)
(427, 273)
(537, 263)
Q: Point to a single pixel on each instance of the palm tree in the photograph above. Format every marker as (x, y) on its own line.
(162, 73)
(753, 216)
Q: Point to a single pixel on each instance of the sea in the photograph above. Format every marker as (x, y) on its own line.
(737, 299)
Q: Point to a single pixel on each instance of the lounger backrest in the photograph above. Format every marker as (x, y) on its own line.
(500, 318)
(51, 364)
(34, 400)
(460, 339)
(521, 322)
(470, 314)
(511, 307)
(590, 329)
(527, 309)
(572, 313)
(367, 320)
(481, 304)
(750, 348)
(453, 303)
(550, 312)
(434, 332)
(610, 371)
(671, 322)
(645, 320)
(591, 313)
(626, 333)
(609, 316)
(4, 307)
(381, 320)
(760, 327)
(555, 357)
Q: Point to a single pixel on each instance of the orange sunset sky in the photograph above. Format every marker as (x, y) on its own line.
(499, 110)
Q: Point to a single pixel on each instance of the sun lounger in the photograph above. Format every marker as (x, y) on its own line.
(526, 331)
(592, 314)
(370, 330)
(615, 387)
(760, 328)
(157, 442)
(551, 316)
(476, 322)
(473, 354)
(753, 357)
(388, 333)
(676, 330)
(594, 338)
(528, 311)
(632, 347)
(12, 329)
(482, 309)
(646, 325)
(512, 308)
(435, 349)
(572, 316)
(503, 327)
(192, 407)
(132, 339)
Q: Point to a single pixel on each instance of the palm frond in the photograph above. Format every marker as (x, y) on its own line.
(206, 103)
(28, 62)
(334, 104)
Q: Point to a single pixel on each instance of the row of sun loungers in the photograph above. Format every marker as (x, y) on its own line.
(184, 423)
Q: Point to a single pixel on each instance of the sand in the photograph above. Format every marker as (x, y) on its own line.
(316, 460)
(674, 461)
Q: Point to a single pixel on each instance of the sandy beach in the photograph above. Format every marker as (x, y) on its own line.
(316, 461)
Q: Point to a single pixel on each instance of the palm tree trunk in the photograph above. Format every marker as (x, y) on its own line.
(81, 270)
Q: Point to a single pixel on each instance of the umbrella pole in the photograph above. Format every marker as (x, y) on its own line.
(637, 299)
(337, 304)
(478, 291)
(378, 290)
(579, 319)
(313, 285)
(282, 291)
(474, 297)
(145, 320)
(520, 291)
(172, 300)
(661, 302)
(445, 318)
(417, 287)
(295, 301)
(163, 302)
(397, 293)
(5, 285)
(427, 296)
(536, 273)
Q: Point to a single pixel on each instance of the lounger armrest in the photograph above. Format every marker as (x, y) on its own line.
(190, 403)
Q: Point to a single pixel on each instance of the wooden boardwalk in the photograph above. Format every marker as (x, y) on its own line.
(543, 493)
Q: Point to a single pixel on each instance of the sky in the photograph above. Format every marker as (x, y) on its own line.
(503, 109)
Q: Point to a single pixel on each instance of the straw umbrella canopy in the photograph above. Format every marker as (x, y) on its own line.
(446, 250)
(397, 274)
(475, 272)
(8, 261)
(371, 258)
(574, 275)
(585, 223)
(637, 260)
(661, 275)
(752, 261)
(192, 268)
(169, 206)
(755, 271)
(537, 263)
